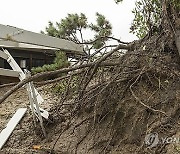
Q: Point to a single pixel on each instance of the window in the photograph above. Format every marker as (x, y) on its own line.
(23, 63)
(38, 62)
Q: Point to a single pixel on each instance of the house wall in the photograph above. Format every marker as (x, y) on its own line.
(31, 58)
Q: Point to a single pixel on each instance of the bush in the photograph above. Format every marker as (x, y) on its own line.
(60, 61)
(61, 87)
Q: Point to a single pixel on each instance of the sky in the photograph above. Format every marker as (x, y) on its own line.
(33, 15)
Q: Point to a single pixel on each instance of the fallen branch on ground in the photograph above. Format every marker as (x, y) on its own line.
(64, 70)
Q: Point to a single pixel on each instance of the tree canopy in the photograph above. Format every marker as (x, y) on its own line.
(148, 15)
(73, 26)
(148, 18)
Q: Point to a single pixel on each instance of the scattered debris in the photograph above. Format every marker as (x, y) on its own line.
(4, 135)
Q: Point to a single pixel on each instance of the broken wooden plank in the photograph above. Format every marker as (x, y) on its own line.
(7, 72)
(14, 65)
(4, 135)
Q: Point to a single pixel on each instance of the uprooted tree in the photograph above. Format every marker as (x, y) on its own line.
(127, 93)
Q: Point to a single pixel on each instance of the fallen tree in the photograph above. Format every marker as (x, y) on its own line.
(122, 96)
(64, 70)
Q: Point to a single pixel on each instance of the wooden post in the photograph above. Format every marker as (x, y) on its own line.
(30, 61)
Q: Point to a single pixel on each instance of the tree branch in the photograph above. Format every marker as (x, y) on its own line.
(105, 37)
(64, 70)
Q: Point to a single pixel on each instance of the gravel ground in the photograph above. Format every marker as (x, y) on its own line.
(25, 136)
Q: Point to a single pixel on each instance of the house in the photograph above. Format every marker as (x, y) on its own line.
(31, 49)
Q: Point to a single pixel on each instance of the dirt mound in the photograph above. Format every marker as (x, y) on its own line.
(140, 96)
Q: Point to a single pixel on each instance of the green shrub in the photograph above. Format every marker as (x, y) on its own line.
(60, 61)
(61, 87)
